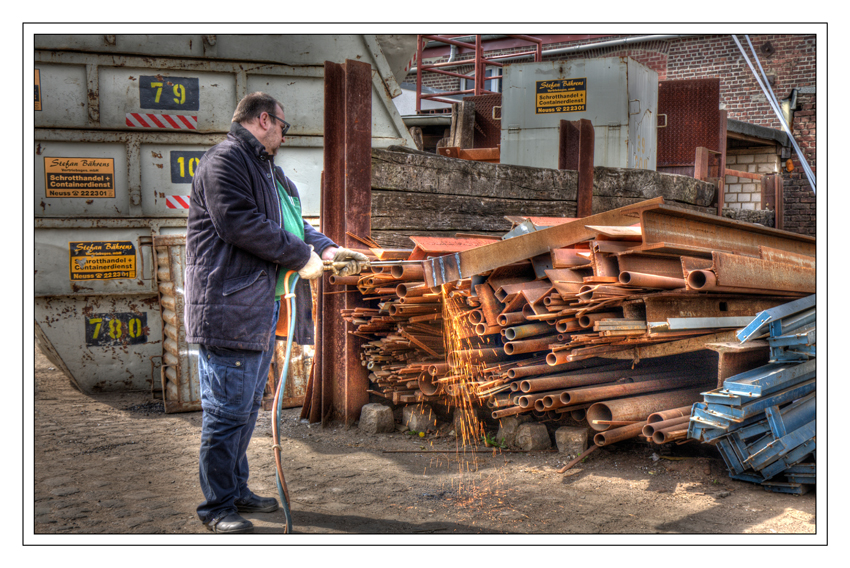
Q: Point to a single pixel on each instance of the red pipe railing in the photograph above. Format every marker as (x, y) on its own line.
(479, 63)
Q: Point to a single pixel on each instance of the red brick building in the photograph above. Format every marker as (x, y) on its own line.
(789, 61)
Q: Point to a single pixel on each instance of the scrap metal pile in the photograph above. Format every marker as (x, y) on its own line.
(602, 320)
(763, 420)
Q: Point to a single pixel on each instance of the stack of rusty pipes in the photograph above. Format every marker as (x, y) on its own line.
(563, 343)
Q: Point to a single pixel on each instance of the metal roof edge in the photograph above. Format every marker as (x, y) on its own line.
(757, 131)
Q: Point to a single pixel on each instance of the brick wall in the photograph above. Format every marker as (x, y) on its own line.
(791, 64)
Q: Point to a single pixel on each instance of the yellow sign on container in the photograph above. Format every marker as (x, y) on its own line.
(102, 260)
(562, 95)
(79, 177)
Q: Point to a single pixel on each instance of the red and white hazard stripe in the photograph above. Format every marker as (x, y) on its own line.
(177, 201)
(167, 121)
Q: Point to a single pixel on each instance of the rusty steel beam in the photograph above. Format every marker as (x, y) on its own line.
(784, 257)
(736, 271)
(332, 365)
(734, 357)
(477, 260)
(358, 212)
(680, 231)
(669, 266)
(661, 306)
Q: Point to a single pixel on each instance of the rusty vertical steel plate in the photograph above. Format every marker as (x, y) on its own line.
(487, 130)
(692, 107)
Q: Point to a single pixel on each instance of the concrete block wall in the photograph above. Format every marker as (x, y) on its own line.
(745, 193)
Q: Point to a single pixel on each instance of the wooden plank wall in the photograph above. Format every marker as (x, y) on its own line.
(417, 193)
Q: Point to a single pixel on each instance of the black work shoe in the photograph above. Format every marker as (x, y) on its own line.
(231, 523)
(256, 504)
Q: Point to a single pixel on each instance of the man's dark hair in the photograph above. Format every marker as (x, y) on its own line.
(253, 105)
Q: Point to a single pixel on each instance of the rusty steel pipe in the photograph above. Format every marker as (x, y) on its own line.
(558, 358)
(578, 414)
(343, 280)
(427, 385)
(567, 325)
(528, 400)
(384, 292)
(587, 320)
(606, 374)
(650, 428)
(476, 356)
(615, 391)
(701, 280)
(585, 293)
(549, 402)
(484, 329)
(508, 412)
(669, 435)
(408, 272)
(651, 281)
(412, 289)
(413, 309)
(597, 365)
(438, 369)
(490, 306)
(475, 316)
(640, 407)
(617, 434)
(706, 281)
(529, 345)
(510, 319)
(528, 330)
(417, 299)
(668, 414)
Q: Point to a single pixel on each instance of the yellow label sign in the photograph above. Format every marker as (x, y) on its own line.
(562, 95)
(37, 90)
(102, 260)
(79, 177)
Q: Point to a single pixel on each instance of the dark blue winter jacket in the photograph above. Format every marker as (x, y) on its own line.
(235, 246)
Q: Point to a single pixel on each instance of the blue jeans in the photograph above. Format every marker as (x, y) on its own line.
(232, 383)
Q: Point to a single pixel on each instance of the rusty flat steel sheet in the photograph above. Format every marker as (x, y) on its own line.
(631, 233)
(677, 227)
(738, 271)
(483, 258)
(438, 246)
(540, 221)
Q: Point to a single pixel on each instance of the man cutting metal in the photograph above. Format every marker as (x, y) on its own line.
(245, 231)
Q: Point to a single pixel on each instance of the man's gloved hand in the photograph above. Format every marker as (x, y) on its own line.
(314, 267)
(354, 261)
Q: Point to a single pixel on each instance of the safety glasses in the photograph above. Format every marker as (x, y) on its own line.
(285, 124)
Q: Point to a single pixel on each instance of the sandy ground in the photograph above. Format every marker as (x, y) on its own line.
(116, 464)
